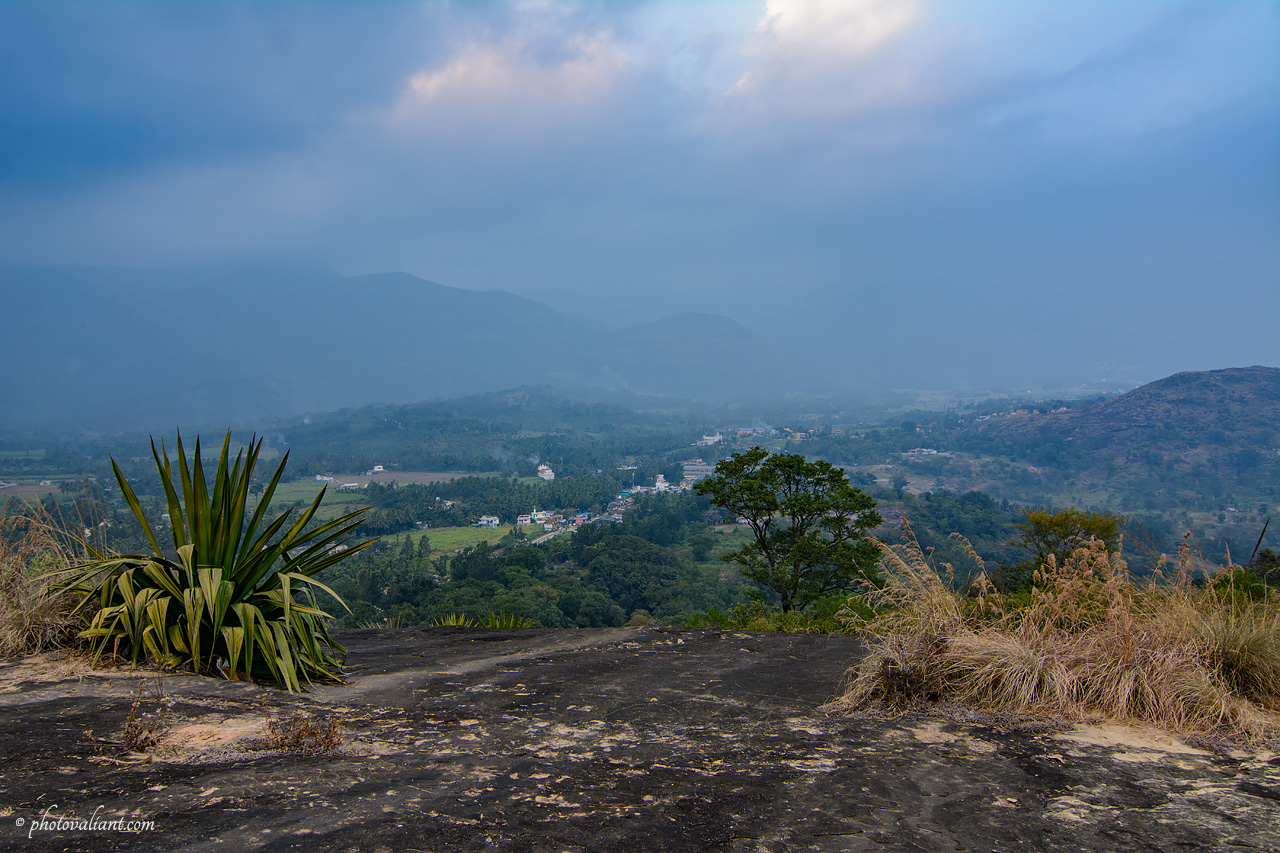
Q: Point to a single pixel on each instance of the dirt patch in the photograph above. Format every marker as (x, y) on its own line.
(1130, 740)
(44, 668)
(185, 741)
(27, 489)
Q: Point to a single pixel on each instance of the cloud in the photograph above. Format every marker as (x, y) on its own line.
(630, 157)
(485, 76)
(809, 33)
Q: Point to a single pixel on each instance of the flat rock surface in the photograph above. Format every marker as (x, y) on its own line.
(627, 739)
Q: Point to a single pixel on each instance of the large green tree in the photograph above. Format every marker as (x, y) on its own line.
(808, 525)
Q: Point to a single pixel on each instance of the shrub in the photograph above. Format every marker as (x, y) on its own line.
(758, 615)
(237, 597)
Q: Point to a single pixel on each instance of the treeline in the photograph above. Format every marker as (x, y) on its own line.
(510, 431)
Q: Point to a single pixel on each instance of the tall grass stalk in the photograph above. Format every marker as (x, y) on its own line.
(34, 616)
(1088, 643)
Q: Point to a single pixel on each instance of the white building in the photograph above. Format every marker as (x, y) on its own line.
(545, 472)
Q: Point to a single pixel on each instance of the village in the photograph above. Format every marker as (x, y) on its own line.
(555, 523)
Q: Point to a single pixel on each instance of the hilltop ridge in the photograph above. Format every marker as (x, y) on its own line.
(152, 347)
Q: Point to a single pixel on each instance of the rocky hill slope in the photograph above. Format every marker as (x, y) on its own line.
(1193, 434)
(626, 739)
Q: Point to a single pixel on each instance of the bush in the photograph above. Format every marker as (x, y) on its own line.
(237, 598)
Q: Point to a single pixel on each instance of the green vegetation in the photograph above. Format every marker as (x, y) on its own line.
(637, 570)
(457, 503)
(300, 493)
(1054, 534)
(446, 540)
(235, 595)
(807, 524)
(756, 615)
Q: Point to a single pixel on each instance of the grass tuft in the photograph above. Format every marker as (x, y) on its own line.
(1089, 643)
(302, 733)
(34, 616)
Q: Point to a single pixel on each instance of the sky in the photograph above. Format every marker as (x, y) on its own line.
(933, 173)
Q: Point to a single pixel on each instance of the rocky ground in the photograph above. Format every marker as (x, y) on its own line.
(631, 739)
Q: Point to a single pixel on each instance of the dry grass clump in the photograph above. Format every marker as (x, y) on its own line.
(143, 729)
(303, 733)
(33, 616)
(1088, 644)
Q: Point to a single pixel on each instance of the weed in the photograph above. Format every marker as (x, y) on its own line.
(454, 620)
(302, 733)
(142, 731)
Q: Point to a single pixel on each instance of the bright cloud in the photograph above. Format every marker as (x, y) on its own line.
(807, 31)
(511, 77)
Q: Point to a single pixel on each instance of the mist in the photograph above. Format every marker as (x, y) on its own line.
(199, 203)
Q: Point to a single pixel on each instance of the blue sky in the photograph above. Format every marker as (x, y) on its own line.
(999, 163)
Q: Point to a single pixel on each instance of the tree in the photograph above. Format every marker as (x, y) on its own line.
(807, 522)
(1057, 533)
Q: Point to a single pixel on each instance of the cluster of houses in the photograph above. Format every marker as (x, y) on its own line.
(551, 520)
(555, 522)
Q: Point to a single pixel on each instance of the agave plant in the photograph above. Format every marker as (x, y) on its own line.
(237, 596)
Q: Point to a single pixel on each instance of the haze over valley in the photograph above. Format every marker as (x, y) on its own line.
(871, 199)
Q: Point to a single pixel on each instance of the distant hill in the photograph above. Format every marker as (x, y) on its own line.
(1241, 402)
(1213, 432)
(145, 347)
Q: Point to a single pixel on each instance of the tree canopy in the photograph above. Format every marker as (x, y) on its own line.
(808, 525)
(1061, 532)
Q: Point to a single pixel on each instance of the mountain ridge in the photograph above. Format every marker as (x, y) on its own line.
(218, 345)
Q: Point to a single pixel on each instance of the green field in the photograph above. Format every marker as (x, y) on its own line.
(446, 540)
(22, 454)
(336, 502)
